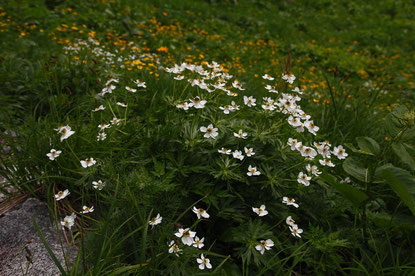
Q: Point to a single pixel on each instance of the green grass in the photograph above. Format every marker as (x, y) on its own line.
(353, 60)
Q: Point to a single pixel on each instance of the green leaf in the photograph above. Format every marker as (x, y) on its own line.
(45, 243)
(403, 183)
(354, 149)
(367, 144)
(386, 220)
(351, 193)
(392, 125)
(403, 155)
(355, 169)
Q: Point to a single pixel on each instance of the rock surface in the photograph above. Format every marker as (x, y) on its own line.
(21, 250)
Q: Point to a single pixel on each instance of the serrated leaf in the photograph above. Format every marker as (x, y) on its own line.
(367, 144)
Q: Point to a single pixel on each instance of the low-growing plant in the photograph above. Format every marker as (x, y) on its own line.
(218, 167)
(183, 169)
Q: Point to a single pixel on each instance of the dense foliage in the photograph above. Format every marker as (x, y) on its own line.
(274, 131)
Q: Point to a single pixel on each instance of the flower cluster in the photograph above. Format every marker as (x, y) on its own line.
(189, 238)
(209, 78)
(212, 77)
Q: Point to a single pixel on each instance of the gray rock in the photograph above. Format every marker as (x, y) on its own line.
(21, 250)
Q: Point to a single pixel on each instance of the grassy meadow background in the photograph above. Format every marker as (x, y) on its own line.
(354, 60)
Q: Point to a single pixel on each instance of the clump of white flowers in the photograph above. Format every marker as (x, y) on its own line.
(211, 80)
(214, 78)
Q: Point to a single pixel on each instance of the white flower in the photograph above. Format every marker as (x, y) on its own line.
(156, 220)
(121, 104)
(107, 89)
(61, 195)
(69, 221)
(268, 104)
(303, 179)
(186, 235)
(101, 136)
(140, 83)
(299, 129)
(200, 212)
(313, 169)
(87, 209)
(340, 152)
(326, 162)
(304, 116)
(346, 180)
(293, 143)
(184, 106)
(264, 245)
(203, 262)
(103, 126)
(130, 89)
(260, 211)
(65, 132)
(53, 154)
(300, 147)
(237, 85)
(271, 89)
(225, 151)
(324, 150)
(294, 121)
(234, 106)
(198, 243)
(249, 101)
(249, 152)
(289, 201)
(198, 103)
(238, 155)
(98, 184)
(115, 121)
(295, 231)
(289, 220)
(226, 109)
(232, 94)
(309, 152)
(267, 77)
(210, 131)
(253, 171)
(288, 78)
(312, 128)
(179, 77)
(297, 90)
(101, 107)
(174, 248)
(240, 134)
(88, 162)
(326, 143)
(111, 80)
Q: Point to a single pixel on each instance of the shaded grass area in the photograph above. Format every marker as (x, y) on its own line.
(354, 60)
